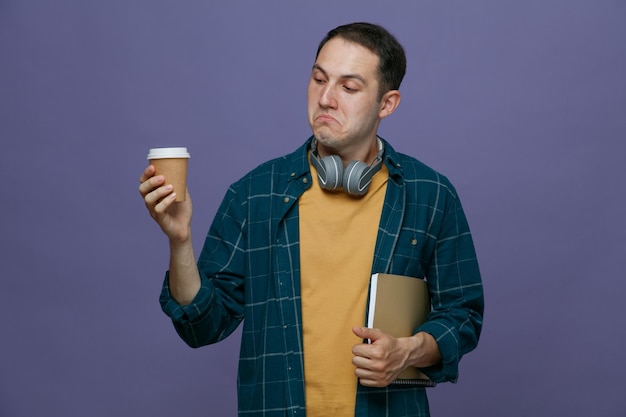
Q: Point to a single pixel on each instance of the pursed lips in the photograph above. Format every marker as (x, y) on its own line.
(326, 118)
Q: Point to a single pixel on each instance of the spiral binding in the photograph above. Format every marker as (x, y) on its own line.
(414, 382)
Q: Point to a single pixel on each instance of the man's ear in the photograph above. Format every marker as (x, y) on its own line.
(389, 103)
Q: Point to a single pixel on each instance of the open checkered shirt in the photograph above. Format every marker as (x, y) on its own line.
(250, 271)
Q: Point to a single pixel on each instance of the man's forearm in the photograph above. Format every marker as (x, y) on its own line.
(184, 278)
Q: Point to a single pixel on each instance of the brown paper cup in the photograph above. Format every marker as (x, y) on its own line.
(172, 164)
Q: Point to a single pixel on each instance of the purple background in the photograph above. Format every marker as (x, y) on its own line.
(521, 104)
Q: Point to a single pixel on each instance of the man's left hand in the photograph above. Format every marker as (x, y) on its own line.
(380, 362)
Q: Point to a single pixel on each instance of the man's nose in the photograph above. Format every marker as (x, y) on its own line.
(327, 97)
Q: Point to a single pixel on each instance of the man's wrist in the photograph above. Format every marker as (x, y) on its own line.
(424, 350)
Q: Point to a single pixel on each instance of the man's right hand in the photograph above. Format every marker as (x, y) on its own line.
(174, 218)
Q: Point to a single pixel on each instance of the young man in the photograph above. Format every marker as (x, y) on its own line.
(295, 242)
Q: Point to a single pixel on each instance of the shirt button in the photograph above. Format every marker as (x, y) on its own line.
(286, 200)
(293, 174)
(414, 242)
(305, 180)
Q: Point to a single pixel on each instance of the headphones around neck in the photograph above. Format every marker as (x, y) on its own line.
(355, 179)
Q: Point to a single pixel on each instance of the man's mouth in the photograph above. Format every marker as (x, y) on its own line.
(325, 118)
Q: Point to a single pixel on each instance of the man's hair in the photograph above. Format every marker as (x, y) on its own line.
(392, 60)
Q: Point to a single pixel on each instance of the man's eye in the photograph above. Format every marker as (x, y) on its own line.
(349, 89)
(318, 80)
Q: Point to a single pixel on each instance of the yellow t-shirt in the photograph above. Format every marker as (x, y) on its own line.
(337, 239)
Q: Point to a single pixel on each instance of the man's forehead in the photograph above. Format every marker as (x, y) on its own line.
(341, 57)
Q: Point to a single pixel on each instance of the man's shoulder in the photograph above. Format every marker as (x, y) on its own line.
(417, 173)
(287, 166)
(290, 162)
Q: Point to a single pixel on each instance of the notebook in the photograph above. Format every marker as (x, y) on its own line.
(397, 306)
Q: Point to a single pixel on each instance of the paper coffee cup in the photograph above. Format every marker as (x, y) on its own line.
(172, 164)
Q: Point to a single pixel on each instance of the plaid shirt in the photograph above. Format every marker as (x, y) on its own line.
(250, 269)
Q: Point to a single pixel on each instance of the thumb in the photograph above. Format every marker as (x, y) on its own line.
(367, 333)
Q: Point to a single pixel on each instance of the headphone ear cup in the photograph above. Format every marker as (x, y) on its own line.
(331, 173)
(352, 178)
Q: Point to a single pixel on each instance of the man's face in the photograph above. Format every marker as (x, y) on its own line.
(343, 106)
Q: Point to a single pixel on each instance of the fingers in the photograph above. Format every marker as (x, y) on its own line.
(160, 199)
(371, 350)
(150, 182)
(147, 173)
(157, 195)
(371, 372)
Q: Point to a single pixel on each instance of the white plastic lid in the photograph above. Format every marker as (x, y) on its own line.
(161, 153)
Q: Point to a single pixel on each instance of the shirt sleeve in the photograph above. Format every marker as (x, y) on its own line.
(217, 309)
(191, 312)
(456, 293)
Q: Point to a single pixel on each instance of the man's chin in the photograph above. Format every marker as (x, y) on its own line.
(326, 139)
(325, 135)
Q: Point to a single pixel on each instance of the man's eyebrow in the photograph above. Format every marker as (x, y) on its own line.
(346, 76)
